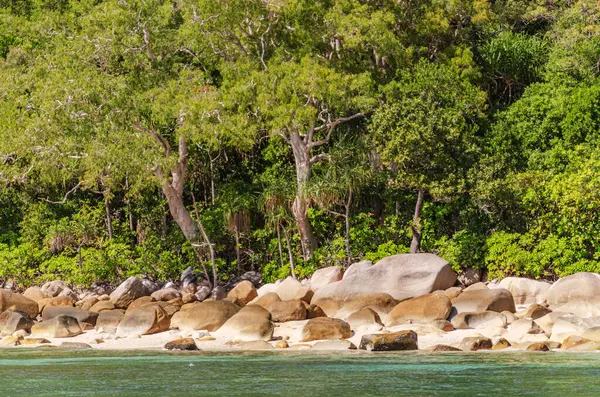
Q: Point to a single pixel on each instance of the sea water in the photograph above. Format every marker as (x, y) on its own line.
(58, 372)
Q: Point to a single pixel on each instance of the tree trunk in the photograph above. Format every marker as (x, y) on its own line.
(289, 247)
(300, 206)
(279, 245)
(211, 250)
(180, 214)
(109, 227)
(347, 219)
(415, 228)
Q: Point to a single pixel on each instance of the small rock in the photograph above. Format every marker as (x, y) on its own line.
(475, 343)
(445, 348)
(403, 340)
(501, 344)
(182, 344)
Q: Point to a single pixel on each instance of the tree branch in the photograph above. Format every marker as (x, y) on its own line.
(315, 159)
(64, 200)
(331, 126)
(159, 138)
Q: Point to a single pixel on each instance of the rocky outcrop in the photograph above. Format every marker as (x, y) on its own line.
(182, 344)
(207, 315)
(325, 276)
(145, 320)
(243, 293)
(284, 311)
(250, 323)
(577, 287)
(403, 340)
(11, 322)
(525, 290)
(58, 327)
(12, 301)
(130, 290)
(325, 328)
(422, 309)
(475, 320)
(496, 300)
(401, 276)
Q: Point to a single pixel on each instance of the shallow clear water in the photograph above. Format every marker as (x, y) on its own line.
(51, 372)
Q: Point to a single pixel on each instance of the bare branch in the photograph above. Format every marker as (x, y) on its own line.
(64, 200)
(148, 44)
(315, 159)
(330, 126)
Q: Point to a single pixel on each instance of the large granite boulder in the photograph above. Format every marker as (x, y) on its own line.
(325, 328)
(402, 276)
(145, 320)
(525, 290)
(207, 315)
(108, 320)
(576, 287)
(166, 294)
(101, 306)
(129, 290)
(365, 321)
(10, 300)
(474, 343)
(496, 300)
(11, 322)
(356, 268)
(422, 309)
(35, 293)
(402, 340)
(288, 311)
(54, 288)
(242, 293)
(56, 301)
(58, 327)
(325, 276)
(289, 289)
(380, 302)
(266, 300)
(83, 316)
(479, 320)
(250, 323)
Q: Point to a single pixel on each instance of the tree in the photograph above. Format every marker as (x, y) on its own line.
(304, 103)
(425, 132)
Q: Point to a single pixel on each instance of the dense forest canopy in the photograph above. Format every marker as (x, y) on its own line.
(143, 137)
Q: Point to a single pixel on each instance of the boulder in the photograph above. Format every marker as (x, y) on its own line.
(380, 302)
(325, 328)
(188, 276)
(304, 294)
(452, 292)
(256, 345)
(129, 290)
(242, 293)
(58, 327)
(470, 276)
(592, 334)
(218, 293)
(101, 306)
(207, 315)
(202, 293)
(538, 347)
(403, 340)
(254, 277)
(313, 311)
(334, 345)
(266, 300)
(356, 268)
(478, 320)
(525, 290)
(288, 311)
(288, 289)
(54, 288)
(475, 287)
(474, 343)
(267, 288)
(365, 321)
(56, 301)
(35, 294)
(579, 286)
(166, 294)
(11, 322)
(572, 341)
(422, 309)
(10, 300)
(83, 316)
(188, 298)
(145, 320)
(581, 308)
(443, 325)
(522, 327)
(108, 320)
(152, 286)
(444, 348)
(501, 344)
(182, 344)
(141, 301)
(250, 323)
(536, 311)
(87, 303)
(325, 276)
(402, 276)
(496, 300)
(510, 317)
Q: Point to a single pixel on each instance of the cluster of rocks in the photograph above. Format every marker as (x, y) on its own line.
(403, 302)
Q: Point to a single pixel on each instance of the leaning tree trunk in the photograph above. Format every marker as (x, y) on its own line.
(300, 206)
(415, 228)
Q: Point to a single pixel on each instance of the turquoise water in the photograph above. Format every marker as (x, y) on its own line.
(52, 372)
